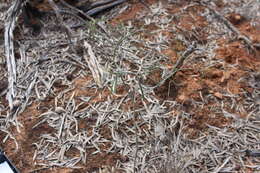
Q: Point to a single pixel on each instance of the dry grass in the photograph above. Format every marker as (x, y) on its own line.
(110, 115)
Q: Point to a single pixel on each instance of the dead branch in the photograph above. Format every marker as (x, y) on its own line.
(13, 13)
(93, 64)
(56, 10)
(231, 27)
(178, 64)
(94, 8)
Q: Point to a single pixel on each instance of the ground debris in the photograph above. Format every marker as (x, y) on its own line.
(90, 105)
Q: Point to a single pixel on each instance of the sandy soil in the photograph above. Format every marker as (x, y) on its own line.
(201, 119)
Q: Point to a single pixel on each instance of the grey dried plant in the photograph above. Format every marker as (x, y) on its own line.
(12, 15)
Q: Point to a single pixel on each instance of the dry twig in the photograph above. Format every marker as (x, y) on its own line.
(232, 28)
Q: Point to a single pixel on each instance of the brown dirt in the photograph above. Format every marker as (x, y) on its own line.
(190, 84)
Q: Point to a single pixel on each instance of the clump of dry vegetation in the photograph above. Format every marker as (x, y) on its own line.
(165, 86)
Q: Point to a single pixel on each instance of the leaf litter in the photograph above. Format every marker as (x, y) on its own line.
(118, 101)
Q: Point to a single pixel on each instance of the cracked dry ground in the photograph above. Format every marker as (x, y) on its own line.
(202, 119)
